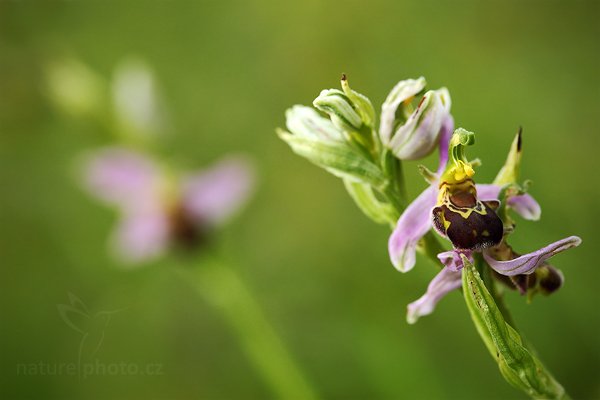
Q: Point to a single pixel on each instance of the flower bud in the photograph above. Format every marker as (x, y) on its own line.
(317, 139)
(397, 106)
(549, 279)
(305, 122)
(335, 103)
(413, 133)
(349, 110)
(545, 280)
(419, 135)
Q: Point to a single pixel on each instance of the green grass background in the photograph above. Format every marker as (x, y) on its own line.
(228, 71)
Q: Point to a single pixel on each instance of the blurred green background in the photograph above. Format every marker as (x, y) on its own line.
(228, 71)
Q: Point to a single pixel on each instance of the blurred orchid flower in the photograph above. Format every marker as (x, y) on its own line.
(159, 211)
(451, 205)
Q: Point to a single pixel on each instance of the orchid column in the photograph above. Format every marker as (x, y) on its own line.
(475, 219)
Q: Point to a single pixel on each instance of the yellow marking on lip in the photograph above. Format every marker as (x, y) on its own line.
(466, 213)
(446, 223)
(485, 233)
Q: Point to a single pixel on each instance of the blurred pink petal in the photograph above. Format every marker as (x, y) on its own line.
(142, 235)
(122, 178)
(214, 195)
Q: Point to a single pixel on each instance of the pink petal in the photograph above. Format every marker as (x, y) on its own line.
(524, 205)
(214, 195)
(141, 236)
(444, 282)
(121, 177)
(452, 259)
(526, 264)
(411, 227)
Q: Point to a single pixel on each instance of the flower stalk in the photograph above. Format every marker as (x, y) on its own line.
(222, 287)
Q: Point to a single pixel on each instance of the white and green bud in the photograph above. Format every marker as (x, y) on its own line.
(316, 138)
(349, 111)
(339, 108)
(305, 122)
(397, 106)
(413, 133)
(137, 104)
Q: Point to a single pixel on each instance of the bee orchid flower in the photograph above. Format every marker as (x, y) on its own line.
(159, 211)
(467, 215)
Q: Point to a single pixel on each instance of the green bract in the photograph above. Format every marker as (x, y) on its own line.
(337, 157)
(510, 171)
(518, 366)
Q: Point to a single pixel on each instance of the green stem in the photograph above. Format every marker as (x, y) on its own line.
(488, 280)
(222, 287)
(498, 298)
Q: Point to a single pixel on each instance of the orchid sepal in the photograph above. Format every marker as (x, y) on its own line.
(412, 225)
